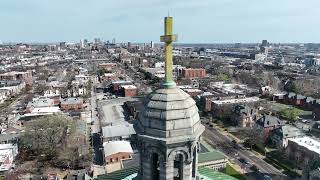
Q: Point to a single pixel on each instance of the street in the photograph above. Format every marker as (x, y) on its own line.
(95, 129)
(224, 144)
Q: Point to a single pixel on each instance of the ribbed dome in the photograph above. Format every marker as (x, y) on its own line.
(169, 113)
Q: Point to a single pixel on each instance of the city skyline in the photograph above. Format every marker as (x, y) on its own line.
(227, 21)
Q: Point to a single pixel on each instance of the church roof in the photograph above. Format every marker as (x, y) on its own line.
(169, 114)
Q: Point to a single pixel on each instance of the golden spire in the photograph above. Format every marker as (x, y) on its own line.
(168, 38)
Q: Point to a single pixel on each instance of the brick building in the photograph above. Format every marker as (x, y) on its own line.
(71, 104)
(116, 151)
(116, 85)
(193, 73)
(14, 76)
(244, 116)
(129, 90)
(206, 101)
(108, 66)
(267, 123)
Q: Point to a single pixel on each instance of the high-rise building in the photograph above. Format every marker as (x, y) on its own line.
(151, 44)
(82, 43)
(264, 43)
(97, 40)
(169, 128)
(114, 41)
(264, 46)
(62, 45)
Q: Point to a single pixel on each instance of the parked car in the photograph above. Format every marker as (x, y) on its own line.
(266, 177)
(243, 161)
(254, 168)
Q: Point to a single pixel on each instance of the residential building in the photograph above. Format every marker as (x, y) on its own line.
(303, 150)
(222, 108)
(244, 116)
(193, 73)
(129, 90)
(279, 137)
(117, 132)
(206, 101)
(267, 123)
(116, 85)
(108, 66)
(13, 76)
(116, 151)
(39, 102)
(8, 152)
(71, 104)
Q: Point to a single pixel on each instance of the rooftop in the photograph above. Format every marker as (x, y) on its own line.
(130, 173)
(129, 86)
(289, 131)
(268, 121)
(210, 156)
(234, 101)
(118, 130)
(114, 147)
(307, 142)
(71, 101)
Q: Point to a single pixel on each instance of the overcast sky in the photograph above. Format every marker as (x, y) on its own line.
(195, 21)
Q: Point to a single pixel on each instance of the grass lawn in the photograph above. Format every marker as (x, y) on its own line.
(278, 107)
(232, 172)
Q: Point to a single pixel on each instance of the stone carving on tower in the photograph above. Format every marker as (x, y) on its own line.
(169, 128)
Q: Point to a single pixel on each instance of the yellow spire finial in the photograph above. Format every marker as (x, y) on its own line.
(168, 38)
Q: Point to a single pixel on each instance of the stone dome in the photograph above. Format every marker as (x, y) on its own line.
(169, 113)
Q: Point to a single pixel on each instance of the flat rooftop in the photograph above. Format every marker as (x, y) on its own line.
(238, 100)
(307, 142)
(129, 86)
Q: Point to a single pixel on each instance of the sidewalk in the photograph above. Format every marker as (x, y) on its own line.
(229, 135)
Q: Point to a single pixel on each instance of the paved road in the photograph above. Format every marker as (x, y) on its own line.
(224, 144)
(95, 130)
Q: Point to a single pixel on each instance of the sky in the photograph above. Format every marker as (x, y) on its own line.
(195, 21)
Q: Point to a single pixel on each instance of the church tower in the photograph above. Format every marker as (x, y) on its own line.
(169, 128)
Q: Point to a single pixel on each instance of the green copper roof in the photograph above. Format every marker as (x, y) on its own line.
(210, 156)
(119, 175)
(215, 175)
(130, 173)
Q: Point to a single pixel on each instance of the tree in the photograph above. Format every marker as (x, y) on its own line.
(223, 77)
(67, 158)
(101, 72)
(253, 137)
(44, 135)
(88, 88)
(40, 88)
(290, 114)
(294, 87)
